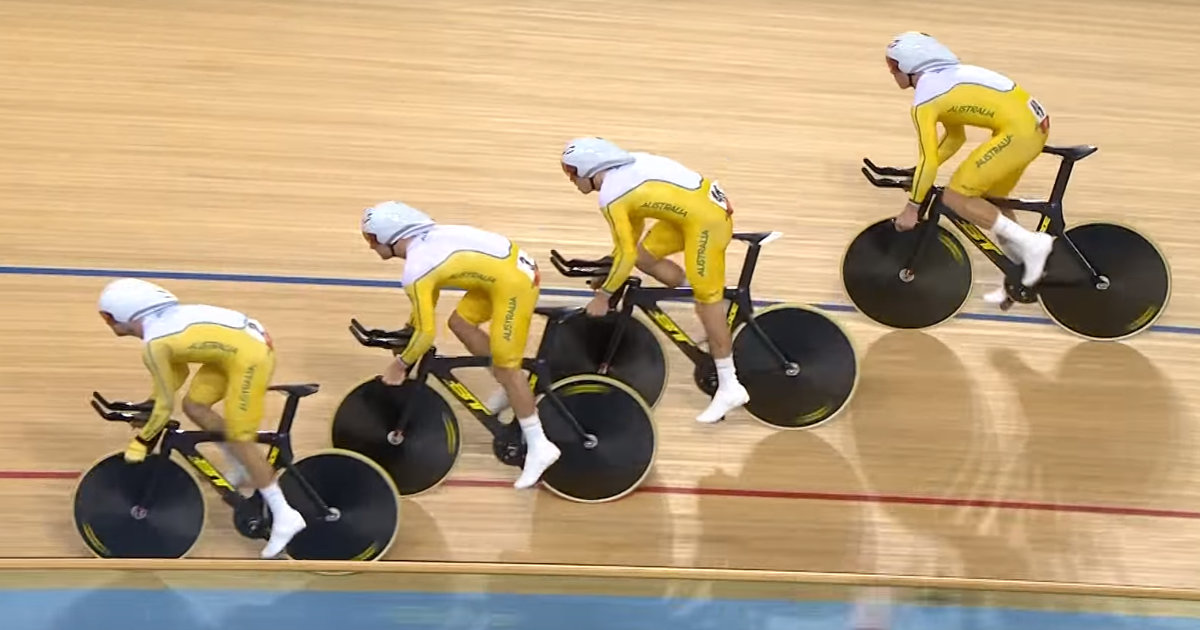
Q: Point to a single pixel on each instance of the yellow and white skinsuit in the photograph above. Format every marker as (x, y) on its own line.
(962, 95)
(693, 216)
(502, 284)
(236, 357)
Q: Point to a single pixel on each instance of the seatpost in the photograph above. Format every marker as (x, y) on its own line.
(1060, 182)
(748, 265)
(289, 412)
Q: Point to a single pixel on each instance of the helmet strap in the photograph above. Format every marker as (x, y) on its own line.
(392, 248)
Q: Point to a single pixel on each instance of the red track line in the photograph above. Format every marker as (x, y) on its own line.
(782, 494)
(37, 474)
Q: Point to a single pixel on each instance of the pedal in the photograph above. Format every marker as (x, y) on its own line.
(509, 446)
(1018, 292)
(251, 518)
(705, 376)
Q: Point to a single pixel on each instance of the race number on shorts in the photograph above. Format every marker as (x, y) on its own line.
(718, 197)
(529, 267)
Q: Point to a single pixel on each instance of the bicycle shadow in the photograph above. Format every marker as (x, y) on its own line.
(353, 599)
(1100, 431)
(916, 420)
(635, 530)
(925, 443)
(419, 537)
(759, 518)
(791, 500)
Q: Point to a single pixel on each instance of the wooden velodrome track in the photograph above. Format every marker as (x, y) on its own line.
(244, 137)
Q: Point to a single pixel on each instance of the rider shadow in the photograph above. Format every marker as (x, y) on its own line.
(1101, 431)
(419, 536)
(924, 443)
(916, 422)
(635, 530)
(781, 511)
(790, 507)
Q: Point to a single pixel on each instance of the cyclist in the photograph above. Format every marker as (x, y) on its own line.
(957, 95)
(237, 361)
(692, 215)
(502, 286)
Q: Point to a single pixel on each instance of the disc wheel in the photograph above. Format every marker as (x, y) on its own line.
(1139, 283)
(119, 515)
(876, 281)
(365, 507)
(581, 344)
(617, 449)
(418, 458)
(828, 366)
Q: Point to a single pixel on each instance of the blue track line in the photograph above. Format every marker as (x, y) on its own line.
(16, 270)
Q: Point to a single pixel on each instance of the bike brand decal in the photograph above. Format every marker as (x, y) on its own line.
(586, 388)
(976, 235)
(669, 326)
(1143, 318)
(90, 534)
(952, 246)
(465, 395)
(203, 466)
(451, 435)
(367, 553)
(813, 416)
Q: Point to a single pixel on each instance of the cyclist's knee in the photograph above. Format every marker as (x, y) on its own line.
(645, 259)
(957, 197)
(243, 432)
(196, 411)
(507, 374)
(459, 324)
(706, 297)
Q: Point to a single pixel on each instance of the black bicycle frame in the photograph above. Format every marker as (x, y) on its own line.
(633, 294)
(1051, 212)
(441, 368)
(173, 438)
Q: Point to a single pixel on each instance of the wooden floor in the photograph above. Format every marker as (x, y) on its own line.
(222, 137)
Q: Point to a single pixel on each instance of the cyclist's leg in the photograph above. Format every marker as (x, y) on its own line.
(1003, 188)
(704, 248)
(515, 297)
(472, 311)
(208, 387)
(661, 241)
(994, 165)
(466, 323)
(245, 398)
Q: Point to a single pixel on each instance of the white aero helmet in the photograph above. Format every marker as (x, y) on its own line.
(129, 298)
(391, 221)
(584, 157)
(915, 52)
